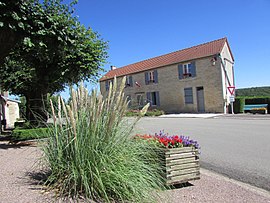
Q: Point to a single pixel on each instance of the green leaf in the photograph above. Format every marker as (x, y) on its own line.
(1, 24)
(27, 42)
(42, 44)
(15, 16)
(21, 25)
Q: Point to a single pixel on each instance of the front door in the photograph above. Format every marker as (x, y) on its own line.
(200, 100)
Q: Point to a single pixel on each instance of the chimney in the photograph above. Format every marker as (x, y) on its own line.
(113, 67)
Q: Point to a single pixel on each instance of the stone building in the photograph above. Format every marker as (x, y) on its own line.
(9, 111)
(194, 79)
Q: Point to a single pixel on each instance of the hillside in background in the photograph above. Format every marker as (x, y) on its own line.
(253, 92)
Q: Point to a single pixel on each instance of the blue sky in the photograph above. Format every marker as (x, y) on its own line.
(142, 29)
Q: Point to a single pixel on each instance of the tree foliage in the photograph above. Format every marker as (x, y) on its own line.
(14, 24)
(57, 50)
(253, 92)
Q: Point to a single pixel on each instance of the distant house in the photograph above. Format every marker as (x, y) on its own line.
(194, 79)
(9, 111)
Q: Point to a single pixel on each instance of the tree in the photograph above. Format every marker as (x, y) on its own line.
(58, 51)
(13, 24)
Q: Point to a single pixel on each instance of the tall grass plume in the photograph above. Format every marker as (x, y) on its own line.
(90, 151)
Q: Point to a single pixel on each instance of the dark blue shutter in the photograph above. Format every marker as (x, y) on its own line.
(107, 85)
(156, 76)
(193, 69)
(180, 71)
(130, 81)
(126, 81)
(157, 98)
(188, 95)
(148, 97)
(146, 78)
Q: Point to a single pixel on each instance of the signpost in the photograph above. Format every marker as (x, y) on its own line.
(231, 89)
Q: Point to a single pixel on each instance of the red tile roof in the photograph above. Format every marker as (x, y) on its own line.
(195, 52)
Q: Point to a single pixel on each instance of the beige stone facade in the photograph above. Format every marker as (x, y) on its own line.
(205, 90)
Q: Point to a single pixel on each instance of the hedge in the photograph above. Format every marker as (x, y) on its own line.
(241, 101)
(28, 134)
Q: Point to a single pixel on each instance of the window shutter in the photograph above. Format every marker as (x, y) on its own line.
(126, 81)
(107, 85)
(193, 69)
(180, 71)
(156, 76)
(188, 95)
(148, 97)
(130, 81)
(157, 98)
(146, 78)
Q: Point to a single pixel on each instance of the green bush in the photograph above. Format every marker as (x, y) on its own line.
(153, 112)
(93, 154)
(238, 105)
(241, 101)
(29, 134)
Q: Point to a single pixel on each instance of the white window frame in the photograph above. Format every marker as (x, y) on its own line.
(187, 70)
(151, 76)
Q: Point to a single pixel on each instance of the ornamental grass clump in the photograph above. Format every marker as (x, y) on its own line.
(90, 152)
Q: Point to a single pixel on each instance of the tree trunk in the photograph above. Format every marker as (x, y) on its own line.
(36, 108)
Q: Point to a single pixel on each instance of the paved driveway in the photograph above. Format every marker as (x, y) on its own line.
(237, 146)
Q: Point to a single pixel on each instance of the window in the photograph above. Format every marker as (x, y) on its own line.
(153, 98)
(187, 70)
(107, 84)
(129, 81)
(139, 98)
(151, 77)
(188, 95)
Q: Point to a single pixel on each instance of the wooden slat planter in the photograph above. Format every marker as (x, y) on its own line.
(182, 165)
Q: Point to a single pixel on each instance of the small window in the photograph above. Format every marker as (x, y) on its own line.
(153, 98)
(188, 95)
(151, 77)
(107, 84)
(139, 100)
(187, 70)
(129, 81)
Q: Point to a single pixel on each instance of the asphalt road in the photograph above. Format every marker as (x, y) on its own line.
(238, 147)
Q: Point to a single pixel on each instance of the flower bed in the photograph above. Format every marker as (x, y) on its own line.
(179, 156)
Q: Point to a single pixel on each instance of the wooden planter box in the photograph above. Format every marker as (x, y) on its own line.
(182, 165)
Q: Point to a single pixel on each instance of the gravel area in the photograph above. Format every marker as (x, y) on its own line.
(19, 162)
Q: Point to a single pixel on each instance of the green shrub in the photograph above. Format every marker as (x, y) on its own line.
(153, 112)
(238, 105)
(93, 154)
(29, 134)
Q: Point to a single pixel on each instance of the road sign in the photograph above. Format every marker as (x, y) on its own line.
(232, 98)
(231, 89)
